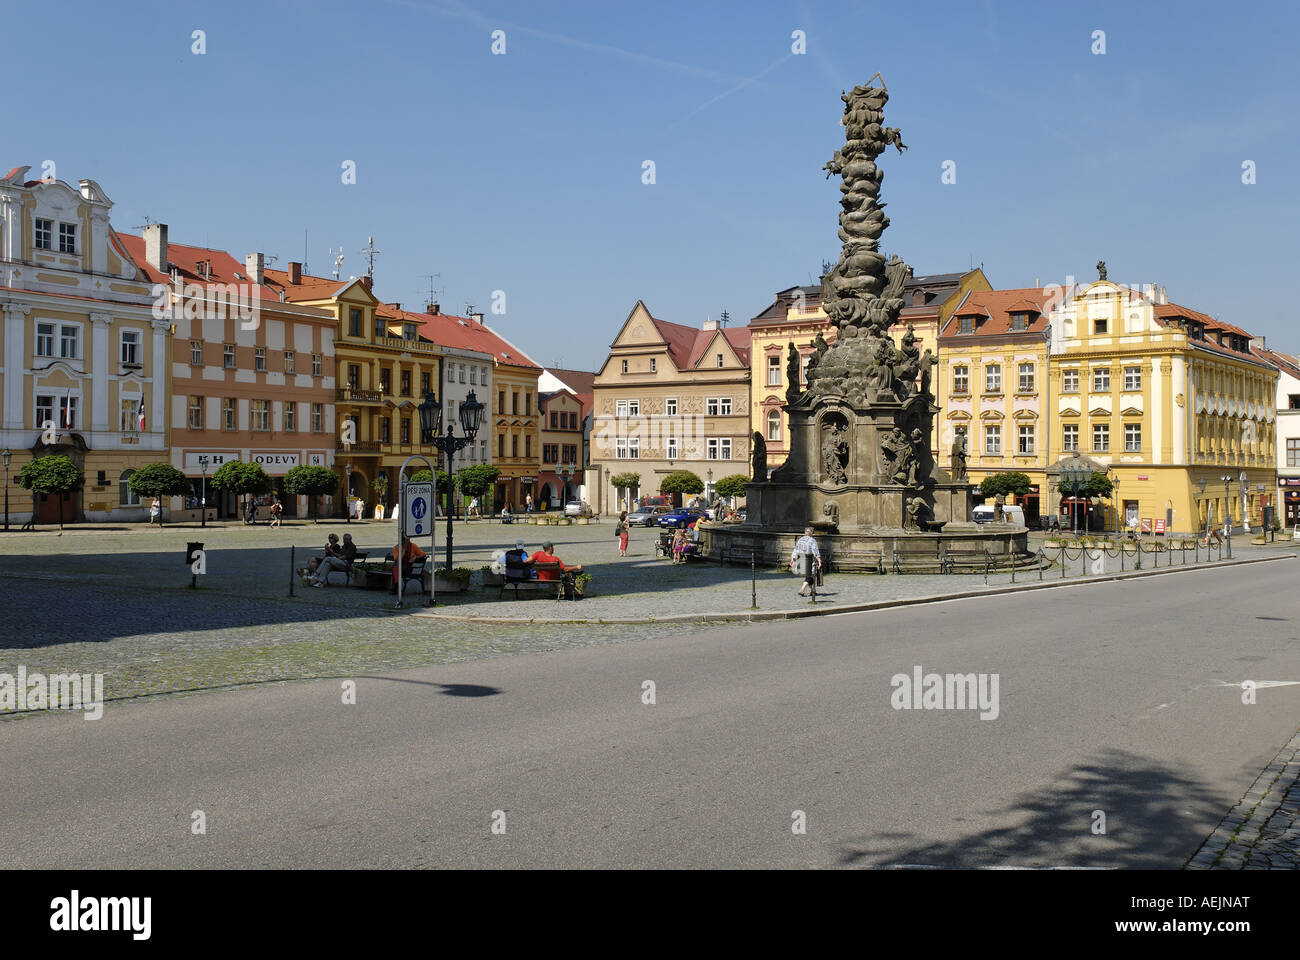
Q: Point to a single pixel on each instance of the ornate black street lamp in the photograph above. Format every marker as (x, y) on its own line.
(431, 433)
(1075, 478)
(1114, 495)
(6, 457)
(1227, 511)
(203, 492)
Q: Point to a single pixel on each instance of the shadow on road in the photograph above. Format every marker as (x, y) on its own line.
(1149, 809)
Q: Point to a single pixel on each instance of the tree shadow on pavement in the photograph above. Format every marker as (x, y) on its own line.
(1155, 818)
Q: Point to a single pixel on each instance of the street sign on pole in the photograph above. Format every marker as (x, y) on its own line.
(417, 509)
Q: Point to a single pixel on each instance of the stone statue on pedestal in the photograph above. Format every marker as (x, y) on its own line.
(760, 458)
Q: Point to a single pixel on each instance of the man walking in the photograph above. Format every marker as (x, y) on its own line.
(807, 546)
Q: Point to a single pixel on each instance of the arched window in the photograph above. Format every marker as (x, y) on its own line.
(125, 497)
(774, 425)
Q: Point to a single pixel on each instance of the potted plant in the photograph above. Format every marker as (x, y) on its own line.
(452, 581)
(582, 584)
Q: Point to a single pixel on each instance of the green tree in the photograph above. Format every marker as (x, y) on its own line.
(732, 485)
(424, 476)
(681, 481)
(241, 479)
(1098, 485)
(477, 480)
(623, 482)
(1011, 481)
(380, 486)
(158, 480)
(311, 482)
(53, 475)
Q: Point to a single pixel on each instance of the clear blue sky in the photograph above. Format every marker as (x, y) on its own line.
(522, 172)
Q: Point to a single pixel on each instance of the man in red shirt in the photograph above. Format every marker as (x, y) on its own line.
(544, 555)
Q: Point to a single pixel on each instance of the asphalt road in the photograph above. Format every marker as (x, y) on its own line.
(1116, 697)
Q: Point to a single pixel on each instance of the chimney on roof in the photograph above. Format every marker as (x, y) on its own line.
(155, 246)
(256, 267)
(1161, 296)
(477, 318)
(367, 280)
(295, 271)
(710, 323)
(434, 309)
(1259, 343)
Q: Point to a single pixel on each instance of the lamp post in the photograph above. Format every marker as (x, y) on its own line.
(1075, 478)
(6, 456)
(431, 433)
(347, 490)
(565, 472)
(708, 488)
(1227, 511)
(1114, 495)
(203, 492)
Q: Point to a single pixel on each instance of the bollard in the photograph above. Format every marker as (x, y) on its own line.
(1040, 564)
(753, 579)
(292, 571)
(1063, 561)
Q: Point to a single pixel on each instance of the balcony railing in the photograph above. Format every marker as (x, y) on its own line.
(348, 394)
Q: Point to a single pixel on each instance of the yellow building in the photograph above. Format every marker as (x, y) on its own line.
(669, 397)
(1170, 400)
(796, 317)
(992, 388)
(85, 353)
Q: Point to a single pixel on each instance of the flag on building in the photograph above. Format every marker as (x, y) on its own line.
(67, 410)
(139, 413)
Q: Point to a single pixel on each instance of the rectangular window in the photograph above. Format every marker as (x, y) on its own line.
(555, 419)
(411, 332)
(514, 446)
(670, 448)
(1070, 437)
(290, 417)
(288, 361)
(773, 371)
(317, 417)
(961, 380)
(45, 339)
(381, 327)
(550, 453)
(69, 342)
(44, 234)
(385, 430)
(425, 383)
(1132, 436)
(130, 348)
(385, 380)
(501, 445)
(67, 238)
(724, 448)
(627, 408)
(405, 436)
(528, 447)
(620, 449)
(967, 325)
(1101, 379)
(514, 401)
(1133, 379)
(1019, 321)
(45, 412)
(259, 359)
(1026, 378)
(1099, 325)
(196, 353)
(993, 439)
(653, 365)
(354, 322)
(473, 376)
(227, 414)
(670, 407)
(993, 378)
(634, 448)
(711, 407)
(261, 414)
(1025, 440)
(196, 413)
(1293, 452)
(501, 401)
(1101, 437)
(528, 404)
(462, 373)
(718, 448)
(625, 366)
(406, 383)
(719, 360)
(228, 356)
(315, 365)
(1069, 381)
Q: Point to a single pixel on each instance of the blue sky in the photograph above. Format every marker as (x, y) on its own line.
(522, 172)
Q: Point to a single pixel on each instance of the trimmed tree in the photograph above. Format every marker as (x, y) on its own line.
(623, 482)
(157, 480)
(681, 481)
(311, 482)
(1011, 481)
(1098, 485)
(51, 475)
(478, 480)
(241, 479)
(732, 485)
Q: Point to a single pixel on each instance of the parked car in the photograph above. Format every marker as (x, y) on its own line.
(682, 517)
(656, 502)
(646, 516)
(576, 508)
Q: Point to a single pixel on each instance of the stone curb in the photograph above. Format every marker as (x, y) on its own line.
(1230, 845)
(761, 615)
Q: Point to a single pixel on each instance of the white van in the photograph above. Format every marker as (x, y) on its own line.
(1013, 514)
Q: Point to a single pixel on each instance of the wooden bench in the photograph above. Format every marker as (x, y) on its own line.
(358, 560)
(380, 576)
(521, 575)
(664, 548)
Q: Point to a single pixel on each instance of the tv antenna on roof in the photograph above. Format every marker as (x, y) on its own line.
(338, 260)
(724, 318)
(370, 252)
(148, 220)
(433, 291)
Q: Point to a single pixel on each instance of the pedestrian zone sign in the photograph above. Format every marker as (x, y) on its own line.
(417, 508)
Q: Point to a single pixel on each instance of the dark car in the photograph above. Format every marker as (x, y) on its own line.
(646, 516)
(681, 517)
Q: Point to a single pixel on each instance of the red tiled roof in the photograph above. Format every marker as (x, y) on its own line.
(311, 288)
(1285, 362)
(998, 306)
(186, 259)
(686, 345)
(460, 333)
(579, 380)
(586, 399)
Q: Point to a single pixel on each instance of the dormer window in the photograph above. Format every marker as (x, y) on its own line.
(967, 324)
(1019, 321)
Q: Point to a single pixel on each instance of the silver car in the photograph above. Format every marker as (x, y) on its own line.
(646, 516)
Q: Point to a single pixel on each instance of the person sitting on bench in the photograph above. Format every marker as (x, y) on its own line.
(408, 553)
(545, 555)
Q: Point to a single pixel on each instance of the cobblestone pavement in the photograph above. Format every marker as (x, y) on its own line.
(1262, 832)
(116, 600)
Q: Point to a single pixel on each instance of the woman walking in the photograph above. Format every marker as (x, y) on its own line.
(622, 531)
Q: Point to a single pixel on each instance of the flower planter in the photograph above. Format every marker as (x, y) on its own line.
(583, 521)
(494, 579)
(443, 584)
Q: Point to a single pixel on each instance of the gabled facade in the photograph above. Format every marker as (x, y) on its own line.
(84, 353)
(1288, 433)
(670, 397)
(561, 476)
